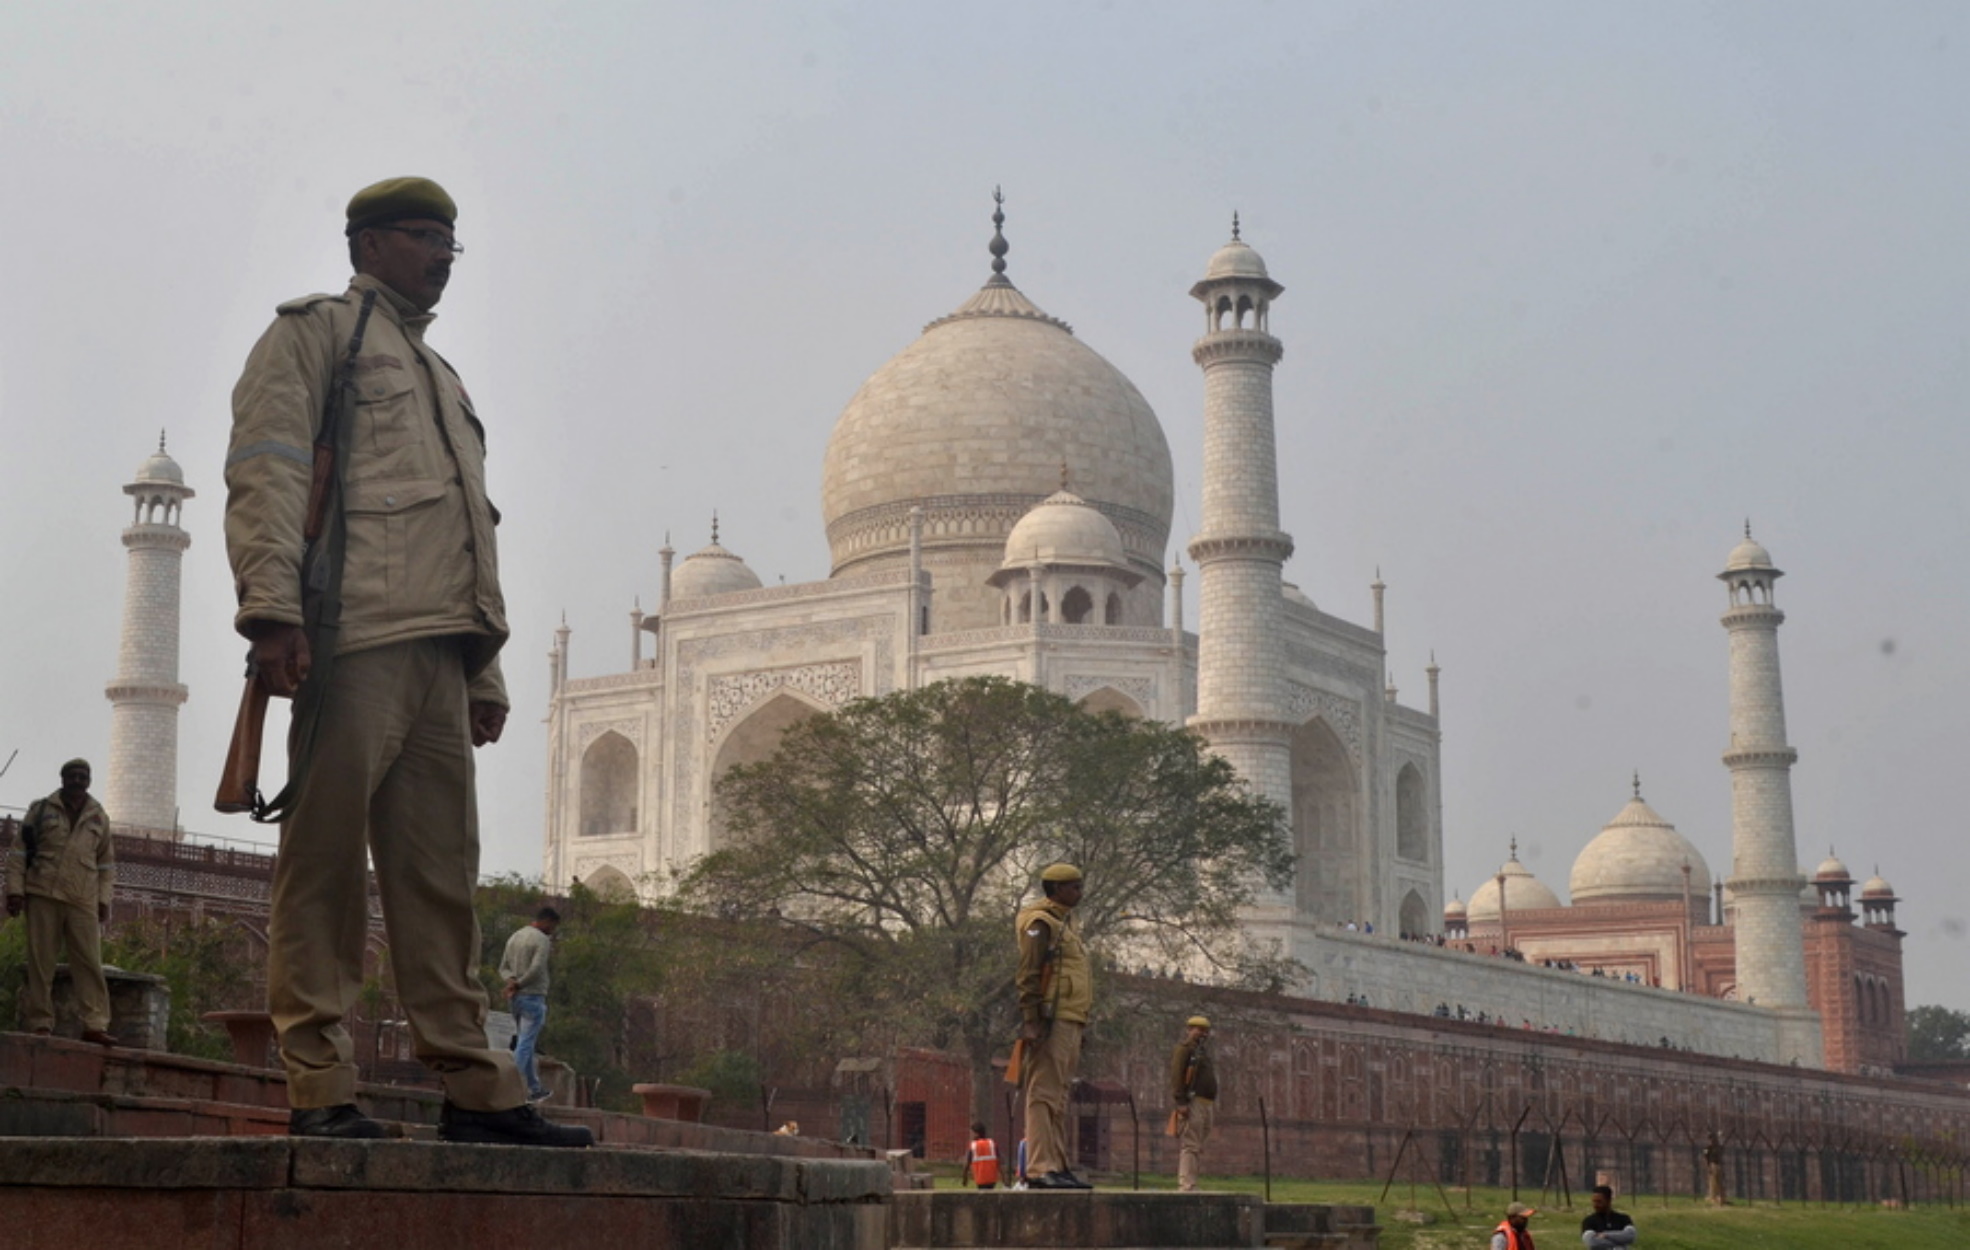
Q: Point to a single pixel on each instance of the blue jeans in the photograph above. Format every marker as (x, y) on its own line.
(530, 1013)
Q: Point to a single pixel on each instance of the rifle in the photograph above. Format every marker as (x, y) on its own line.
(1180, 1114)
(321, 562)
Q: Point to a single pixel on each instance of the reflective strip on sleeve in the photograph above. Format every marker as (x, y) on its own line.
(267, 447)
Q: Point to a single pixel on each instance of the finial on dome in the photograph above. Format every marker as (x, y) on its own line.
(160, 442)
(999, 247)
(1063, 475)
(714, 527)
(1234, 226)
(1747, 529)
(1515, 846)
(1638, 783)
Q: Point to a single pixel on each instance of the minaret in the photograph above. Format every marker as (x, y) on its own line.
(1241, 665)
(142, 787)
(1765, 879)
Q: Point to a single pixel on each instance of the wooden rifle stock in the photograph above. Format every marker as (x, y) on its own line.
(239, 782)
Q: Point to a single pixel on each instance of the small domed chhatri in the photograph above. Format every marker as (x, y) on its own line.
(1638, 858)
(1236, 259)
(1831, 870)
(1523, 891)
(1064, 529)
(712, 570)
(1748, 554)
(1877, 887)
(160, 467)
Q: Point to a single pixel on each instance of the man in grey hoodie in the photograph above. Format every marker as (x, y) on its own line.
(524, 969)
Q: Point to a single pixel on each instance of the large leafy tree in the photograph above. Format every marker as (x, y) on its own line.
(1938, 1033)
(901, 834)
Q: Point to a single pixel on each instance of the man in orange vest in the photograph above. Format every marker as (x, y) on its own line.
(1512, 1234)
(981, 1159)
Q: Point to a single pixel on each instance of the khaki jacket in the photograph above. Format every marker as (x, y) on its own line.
(1204, 1084)
(75, 861)
(422, 560)
(1043, 926)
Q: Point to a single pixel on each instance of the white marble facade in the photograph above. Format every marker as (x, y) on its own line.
(998, 500)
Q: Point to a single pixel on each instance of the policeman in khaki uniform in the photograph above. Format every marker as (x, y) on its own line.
(1194, 1090)
(1056, 992)
(414, 687)
(65, 896)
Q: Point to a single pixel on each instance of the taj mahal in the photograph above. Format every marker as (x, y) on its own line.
(998, 500)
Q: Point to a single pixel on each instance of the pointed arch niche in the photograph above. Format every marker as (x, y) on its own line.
(1325, 824)
(1415, 916)
(1109, 699)
(1412, 819)
(611, 885)
(608, 786)
(752, 739)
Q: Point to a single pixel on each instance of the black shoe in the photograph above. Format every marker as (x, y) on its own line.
(1057, 1180)
(515, 1126)
(343, 1121)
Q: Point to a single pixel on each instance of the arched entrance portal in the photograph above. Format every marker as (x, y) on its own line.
(1326, 833)
(749, 742)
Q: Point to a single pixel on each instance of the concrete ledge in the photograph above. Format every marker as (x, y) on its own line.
(167, 1194)
(1098, 1220)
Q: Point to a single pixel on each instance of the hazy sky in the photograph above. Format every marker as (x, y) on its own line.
(1571, 290)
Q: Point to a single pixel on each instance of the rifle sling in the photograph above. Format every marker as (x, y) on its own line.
(321, 615)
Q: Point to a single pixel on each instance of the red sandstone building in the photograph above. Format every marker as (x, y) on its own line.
(1645, 909)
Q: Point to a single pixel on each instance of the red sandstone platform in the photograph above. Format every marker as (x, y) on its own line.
(60, 1193)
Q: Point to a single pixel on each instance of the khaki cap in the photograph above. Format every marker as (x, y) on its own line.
(1060, 872)
(394, 199)
(1519, 1208)
(1197, 1022)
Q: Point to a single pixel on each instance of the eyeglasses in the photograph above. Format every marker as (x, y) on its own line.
(429, 238)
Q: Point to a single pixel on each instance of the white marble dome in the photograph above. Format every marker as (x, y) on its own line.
(1455, 909)
(1748, 555)
(1637, 858)
(1236, 259)
(1877, 887)
(1064, 529)
(972, 423)
(1831, 869)
(160, 468)
(1523, 892)
(711, 571)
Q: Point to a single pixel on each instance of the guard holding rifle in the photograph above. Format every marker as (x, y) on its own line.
(362, 548)
(1194, 1090)
(1056, 992)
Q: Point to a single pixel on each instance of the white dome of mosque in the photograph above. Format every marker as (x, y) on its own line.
(160, 467)
(1877, 887)
(1831, 869)
(1637, 858)
(711, 571)
(1455, 909)
(1523, 892)
(1064, 529)
(972, 422)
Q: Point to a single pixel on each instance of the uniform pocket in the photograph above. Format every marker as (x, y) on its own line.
(387, 412)
(380, 581)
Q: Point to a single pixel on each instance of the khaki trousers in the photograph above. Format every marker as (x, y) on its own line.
(392, 770)
(1196, 1131)
(52, 924)
(1050, 1070)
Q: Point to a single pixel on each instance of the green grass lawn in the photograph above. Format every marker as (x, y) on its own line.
(1684, 1224)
